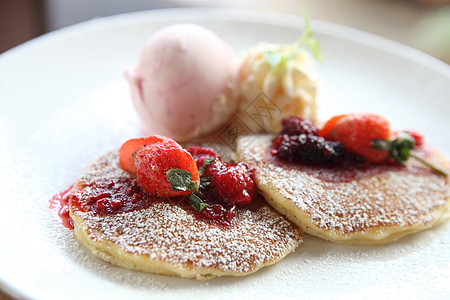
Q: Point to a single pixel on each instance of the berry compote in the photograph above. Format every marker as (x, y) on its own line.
(226, 189)
(299, 146)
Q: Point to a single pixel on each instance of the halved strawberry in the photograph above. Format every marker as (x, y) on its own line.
(153, 161)
(128, 149)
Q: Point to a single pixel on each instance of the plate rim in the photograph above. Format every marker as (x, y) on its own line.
(237, 14)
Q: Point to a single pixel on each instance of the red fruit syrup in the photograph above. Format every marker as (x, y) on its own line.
(59, 207)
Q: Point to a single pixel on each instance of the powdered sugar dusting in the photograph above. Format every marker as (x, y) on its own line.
(393, 198)
(165, 232)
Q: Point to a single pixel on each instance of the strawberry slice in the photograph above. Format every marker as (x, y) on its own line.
(129, 148)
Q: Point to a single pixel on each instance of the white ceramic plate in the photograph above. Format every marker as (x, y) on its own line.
(64, 102)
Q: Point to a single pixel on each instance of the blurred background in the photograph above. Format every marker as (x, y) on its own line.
(421, 24)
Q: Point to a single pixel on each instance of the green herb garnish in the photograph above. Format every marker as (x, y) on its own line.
(204, 182)
(400, 150)
(197, 203)
(308, 40)
(205, 164)
(181, 180)
(278, 58)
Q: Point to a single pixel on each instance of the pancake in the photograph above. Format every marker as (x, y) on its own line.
(375, 206)
(165, 236)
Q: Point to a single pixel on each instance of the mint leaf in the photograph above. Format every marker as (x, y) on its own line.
(205, 164)
(307, 30)
(205, 181)
(272, 58)
(279, 57)
(197, 203)
(181, 180)
(276, 59)
(308, 40)
(314, 46)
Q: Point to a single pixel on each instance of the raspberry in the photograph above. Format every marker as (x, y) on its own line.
(231, 183)
(296, 126)
(154, 160)
(307, 148)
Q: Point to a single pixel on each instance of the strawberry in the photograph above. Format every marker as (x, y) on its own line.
(357, 132)
(329, 125)
(369, 135)
(154, 162)
(418, 138)
(128, 149)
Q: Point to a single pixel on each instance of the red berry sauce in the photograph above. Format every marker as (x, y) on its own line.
(351, 167)
(227, 188)
(111, 196)
(120, 195)
(218, 214)
(59, 207)
(228, 185)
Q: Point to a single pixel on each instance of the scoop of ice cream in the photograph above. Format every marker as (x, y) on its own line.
(277, 81)
(183, 85)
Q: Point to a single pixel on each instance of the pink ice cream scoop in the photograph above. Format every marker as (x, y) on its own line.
(184, 83)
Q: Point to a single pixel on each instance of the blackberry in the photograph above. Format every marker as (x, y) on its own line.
(308, 148)
(297, 126)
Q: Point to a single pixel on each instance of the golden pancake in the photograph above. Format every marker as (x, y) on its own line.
(376, 206)
(165, 236)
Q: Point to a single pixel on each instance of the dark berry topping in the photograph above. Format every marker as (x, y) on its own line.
(307, 148)
(297, 126)
(299, 141)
